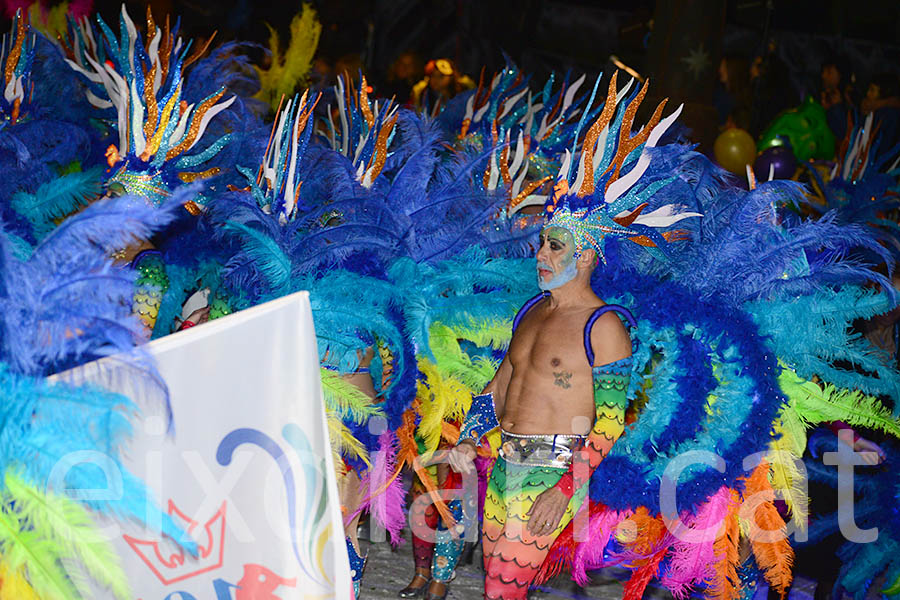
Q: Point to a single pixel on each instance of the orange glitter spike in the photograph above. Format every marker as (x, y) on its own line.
(627, 220)
(194, 128)
(304, 118)
(200, 51)
(364, 103)
(504, 167)
(527, 191)
(165, 50)
(627, 143)
(16, 51)
(590, 138)
(152, 114)
(381, 148)
(151, 28)
(465, 127)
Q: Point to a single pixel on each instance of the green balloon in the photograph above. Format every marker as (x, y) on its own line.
(805, 127)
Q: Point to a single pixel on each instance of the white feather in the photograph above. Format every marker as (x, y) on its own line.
(137, 120)
(481, 112)
(511, 102)
(470, 103)
(621, 185)
(519, 156)
(664, 216)
(495, 172)
(570, 93)
(289, 199)
(532, 200)
(345, 126)
(132, 35)
(180, 128)
(153, 51)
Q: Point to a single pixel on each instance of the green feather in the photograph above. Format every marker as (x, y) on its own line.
(23, 546)
(346, 399)
(454, 363)
(69, 526)
(813, 405)
(495, 333)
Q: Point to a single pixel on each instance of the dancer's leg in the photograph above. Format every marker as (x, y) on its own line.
(512, 555)
(421, 520)
(350, 499)
(447, 550)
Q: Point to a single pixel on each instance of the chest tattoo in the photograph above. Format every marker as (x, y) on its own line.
(562, 379)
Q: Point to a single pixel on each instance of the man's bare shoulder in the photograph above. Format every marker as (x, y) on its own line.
(531, 319)
(610, 339)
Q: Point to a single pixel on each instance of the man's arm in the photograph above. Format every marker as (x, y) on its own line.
(611, 373)
(486, 410)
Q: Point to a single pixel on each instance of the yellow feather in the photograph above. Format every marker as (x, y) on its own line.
(442, 398)
(14, 585)
(786, 477)
(342, 441)
(345, 398)
(289, 71)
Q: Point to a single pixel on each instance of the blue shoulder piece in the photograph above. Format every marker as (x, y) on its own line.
(588, 347)
(526, 307)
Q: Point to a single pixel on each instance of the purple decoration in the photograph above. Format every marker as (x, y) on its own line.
(779, 160)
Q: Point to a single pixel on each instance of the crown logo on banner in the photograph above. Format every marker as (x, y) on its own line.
(178, 567)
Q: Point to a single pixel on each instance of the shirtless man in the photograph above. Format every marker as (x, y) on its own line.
(561, 388)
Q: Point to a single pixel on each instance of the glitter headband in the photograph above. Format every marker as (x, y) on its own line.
(602, 200)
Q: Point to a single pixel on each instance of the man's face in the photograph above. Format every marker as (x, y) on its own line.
(831, 77)
(555, 258)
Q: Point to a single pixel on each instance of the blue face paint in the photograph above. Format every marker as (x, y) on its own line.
(566, 271)
(563, 277)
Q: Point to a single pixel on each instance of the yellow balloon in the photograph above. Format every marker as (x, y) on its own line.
(734, 150)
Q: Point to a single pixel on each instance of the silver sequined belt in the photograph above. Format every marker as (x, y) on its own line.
(544, 450)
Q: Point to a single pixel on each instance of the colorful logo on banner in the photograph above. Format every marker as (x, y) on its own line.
(307, 517)
(174, 568)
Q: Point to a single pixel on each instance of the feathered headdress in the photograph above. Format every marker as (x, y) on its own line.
(143, 81)
(16, 56)
(605, 201)
(279, 169)
(366, 130)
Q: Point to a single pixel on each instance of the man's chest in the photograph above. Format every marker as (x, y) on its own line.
(553, 348)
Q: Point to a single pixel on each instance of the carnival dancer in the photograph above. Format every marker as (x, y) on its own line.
(559, 375)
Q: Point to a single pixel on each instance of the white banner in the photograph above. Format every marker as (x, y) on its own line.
(247, 471)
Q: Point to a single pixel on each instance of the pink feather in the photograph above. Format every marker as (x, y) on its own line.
(692, 558)
(384, 503)
(589, 553)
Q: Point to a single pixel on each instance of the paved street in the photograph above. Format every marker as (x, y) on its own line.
(390, 570)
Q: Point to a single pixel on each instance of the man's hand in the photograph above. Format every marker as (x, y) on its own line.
(873, 454)
(546, 512)
(462, 458)
(201, 315)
